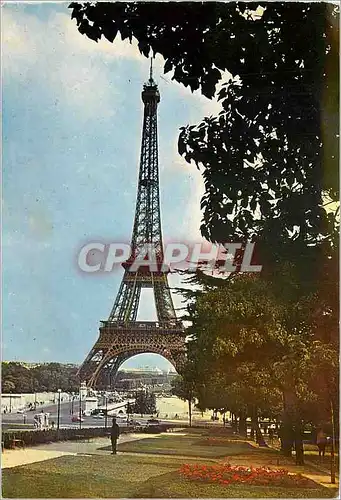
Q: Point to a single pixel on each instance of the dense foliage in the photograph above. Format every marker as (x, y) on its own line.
(258, 349)
(48, 377)
(270, 158)
(145, 403)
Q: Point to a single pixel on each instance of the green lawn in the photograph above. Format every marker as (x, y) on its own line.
(311, 454)
(189, 445)
(126, 476)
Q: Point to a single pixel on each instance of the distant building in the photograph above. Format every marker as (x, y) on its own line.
(134, 378)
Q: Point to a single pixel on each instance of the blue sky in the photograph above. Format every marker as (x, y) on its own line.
(72, 118)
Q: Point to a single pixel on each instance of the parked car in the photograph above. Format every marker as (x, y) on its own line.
(136, 423)
(76, 418)
(98, 415)
(121, 416)
(20, 410)
(153, 421)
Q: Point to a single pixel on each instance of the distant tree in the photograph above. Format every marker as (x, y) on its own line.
(8, 386)
(145, 403)
(47, 377)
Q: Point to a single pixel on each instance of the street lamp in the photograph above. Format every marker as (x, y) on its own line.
(332, 451)
(106, 410)
(80, 409)
(58, 411)
(72, 400)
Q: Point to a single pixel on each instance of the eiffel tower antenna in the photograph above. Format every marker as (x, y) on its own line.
(121, 336)
(151, 70)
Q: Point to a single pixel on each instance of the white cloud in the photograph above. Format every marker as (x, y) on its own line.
(17, 45)
(79, 72)
(75, 67)
(55, 54)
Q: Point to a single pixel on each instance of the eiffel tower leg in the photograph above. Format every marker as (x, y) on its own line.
(127, 300)
(121, 358)
(163, 300)
(107, 357)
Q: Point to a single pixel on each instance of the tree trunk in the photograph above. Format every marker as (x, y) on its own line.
(253, 424)
(252, 433)
(234, 422)
(256, 433)
(190, 411)
(298, 436)
(242, 429)
(286, 436)
(286, 433)
(332, 451)
(259, 436)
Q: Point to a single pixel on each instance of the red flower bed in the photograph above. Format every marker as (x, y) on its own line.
(232, 474)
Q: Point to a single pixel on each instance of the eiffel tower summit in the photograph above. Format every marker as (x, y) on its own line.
(122, 336)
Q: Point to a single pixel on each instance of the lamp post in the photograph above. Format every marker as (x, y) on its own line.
(332, 451)
(106, 410)
(72, 400)
(80, 409)
(58, 410)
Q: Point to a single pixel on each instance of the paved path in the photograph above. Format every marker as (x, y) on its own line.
(14, 458)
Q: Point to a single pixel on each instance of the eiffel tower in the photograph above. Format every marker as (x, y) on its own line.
(122, 336)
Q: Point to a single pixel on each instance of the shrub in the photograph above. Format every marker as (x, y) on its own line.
(35, 437)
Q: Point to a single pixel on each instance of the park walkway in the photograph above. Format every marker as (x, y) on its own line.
(100, 446)
(14, 458)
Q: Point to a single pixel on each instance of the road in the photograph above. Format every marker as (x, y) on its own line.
(66, 409)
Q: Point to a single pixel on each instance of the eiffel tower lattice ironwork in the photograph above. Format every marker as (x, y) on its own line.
(122, 336)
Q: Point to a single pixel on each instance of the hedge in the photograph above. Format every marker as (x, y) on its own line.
(35, 437)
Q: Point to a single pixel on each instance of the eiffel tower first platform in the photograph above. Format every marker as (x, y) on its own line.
(121, 336)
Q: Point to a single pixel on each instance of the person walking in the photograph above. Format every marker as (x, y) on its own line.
(114, 435)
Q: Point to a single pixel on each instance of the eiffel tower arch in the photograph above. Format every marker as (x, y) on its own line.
(122, 336)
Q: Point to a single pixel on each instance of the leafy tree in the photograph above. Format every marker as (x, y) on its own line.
(46, 377)
(145, 403)
(256, 342)
(269, 160)
(8, 386)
